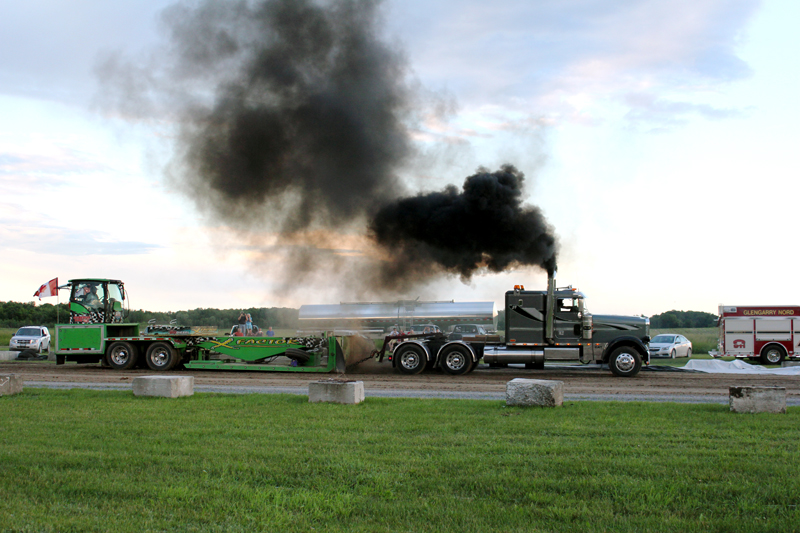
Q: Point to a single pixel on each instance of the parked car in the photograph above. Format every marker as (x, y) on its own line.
(670, 345)
(32, 338)
(458, 331)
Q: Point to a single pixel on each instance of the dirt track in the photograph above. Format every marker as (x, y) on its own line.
(377, 376)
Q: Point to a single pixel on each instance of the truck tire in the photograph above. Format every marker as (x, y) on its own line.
(625, 362)
(301, 356)
(162, 356)
(456, 360)
(772, 355)
(122, 355)
(410, 359)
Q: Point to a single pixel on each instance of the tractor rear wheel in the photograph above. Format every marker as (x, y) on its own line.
(122, 355)
(162, 356)
(301, 356)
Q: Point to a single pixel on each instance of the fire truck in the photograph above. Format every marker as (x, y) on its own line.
(766, 333)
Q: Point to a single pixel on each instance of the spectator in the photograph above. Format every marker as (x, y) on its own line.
(238, 332)
(249, 325)
(270, 333)
(242, 322)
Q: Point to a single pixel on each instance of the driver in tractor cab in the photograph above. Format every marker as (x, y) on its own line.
(87, 295)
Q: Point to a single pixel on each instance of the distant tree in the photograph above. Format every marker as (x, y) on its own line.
(683, 319)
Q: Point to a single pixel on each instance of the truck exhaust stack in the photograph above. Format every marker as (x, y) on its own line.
(551, 307)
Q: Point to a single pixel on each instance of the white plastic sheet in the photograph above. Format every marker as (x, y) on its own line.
(714, 366)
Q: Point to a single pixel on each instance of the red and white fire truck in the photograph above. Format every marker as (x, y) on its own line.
(768, 333)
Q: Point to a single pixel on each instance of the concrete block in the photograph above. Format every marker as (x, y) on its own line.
(535, 392)
(758, 399)
(10, 384)
(8, 356)
(795, 362)
(163, 386)
(336, 391)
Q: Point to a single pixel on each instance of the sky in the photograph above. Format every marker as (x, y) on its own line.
(659, 139)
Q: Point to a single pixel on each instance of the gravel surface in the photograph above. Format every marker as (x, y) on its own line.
(380, 380)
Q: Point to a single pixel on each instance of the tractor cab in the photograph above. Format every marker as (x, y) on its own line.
(96, 301)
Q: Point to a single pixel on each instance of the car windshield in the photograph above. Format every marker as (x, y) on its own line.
(29, 332)
(666, 339)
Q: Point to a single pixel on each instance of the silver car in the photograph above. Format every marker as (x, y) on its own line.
(33, 338)
(670, 345)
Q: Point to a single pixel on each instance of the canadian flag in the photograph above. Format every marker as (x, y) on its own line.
(48, 289)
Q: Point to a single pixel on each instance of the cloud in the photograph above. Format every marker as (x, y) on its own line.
(23, 230)
(536, 57)
(649, 110)
(21, 171)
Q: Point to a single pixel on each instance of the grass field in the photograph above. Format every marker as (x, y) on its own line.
(106, 461)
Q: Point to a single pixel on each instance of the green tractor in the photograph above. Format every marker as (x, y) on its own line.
(98, 333)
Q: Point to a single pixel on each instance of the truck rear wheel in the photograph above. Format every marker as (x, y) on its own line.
(122, 355)
(162, 356)
(625, 362)
(456, 360)
(772, 355)
(301, 356)
(410, 359)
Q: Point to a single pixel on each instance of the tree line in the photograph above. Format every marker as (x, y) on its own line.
(683, 319)
(17, 314)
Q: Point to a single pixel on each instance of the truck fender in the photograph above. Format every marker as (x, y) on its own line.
(412, 341)
(634, 342)
(462, 343)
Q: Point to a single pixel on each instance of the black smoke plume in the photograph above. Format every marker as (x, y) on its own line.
(294, 117)
(483, 226)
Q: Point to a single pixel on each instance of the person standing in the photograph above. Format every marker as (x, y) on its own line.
(242, 322)
(249, 325)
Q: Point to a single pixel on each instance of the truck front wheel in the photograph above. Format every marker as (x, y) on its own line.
(162, 356)
(456, 360)
(410, 359)
(772, 355)
(625, 362)
(122, 355)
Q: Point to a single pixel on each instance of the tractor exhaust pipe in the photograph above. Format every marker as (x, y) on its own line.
(551, 308)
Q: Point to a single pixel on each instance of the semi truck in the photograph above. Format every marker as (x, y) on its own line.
(98, 333)
(764, 333)
(551, 325)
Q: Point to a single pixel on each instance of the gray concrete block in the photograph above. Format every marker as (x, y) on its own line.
(757, 399)
(163, 386)
(535, 392)
(795, 362)
(10, 384)
(336, 391)
(8, 356)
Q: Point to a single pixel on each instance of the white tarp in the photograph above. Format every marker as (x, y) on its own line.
(737, 367)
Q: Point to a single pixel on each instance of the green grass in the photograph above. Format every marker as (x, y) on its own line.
(703, 339)
(5, 336)
(107, 461)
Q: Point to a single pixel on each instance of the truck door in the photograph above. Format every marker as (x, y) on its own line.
(567, 322)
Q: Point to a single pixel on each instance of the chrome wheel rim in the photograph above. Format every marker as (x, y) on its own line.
(773, 356)
(625, 362)
(410, 360)
(455, 360)
(159, 357)
(120, 355)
